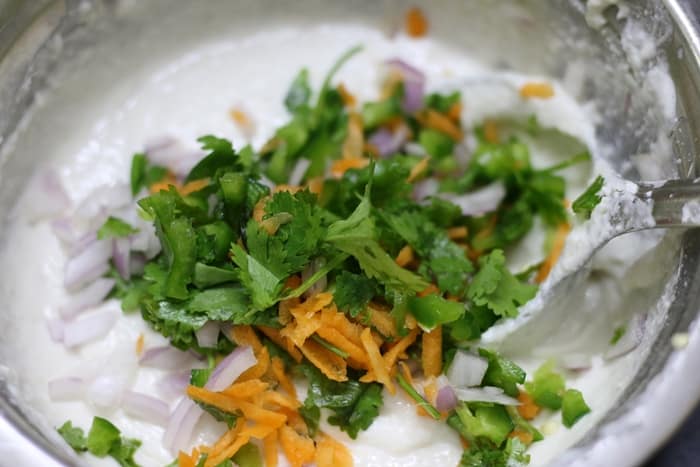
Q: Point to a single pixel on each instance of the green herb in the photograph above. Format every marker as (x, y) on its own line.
(547, 387)
(420, 400)
(431, 310)
(103, 439)
(299, 92)
(442, 102)
(221, 155)
(495, 287)
(143, 174)
(435, 143)
(617, 334)
(353, 292)
(590, 198)
(573, 407)
(512, 455)
(115, 228)
(502, 373)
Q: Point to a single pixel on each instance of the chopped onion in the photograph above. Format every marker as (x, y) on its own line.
(486, 199)
(146, 241)
(87, 266)
(180, 425)
(413, 85)
(88, 328)
(103, 200)
(230, 368)
(64, 230)
(81, 243)
(629, 341)
(106, 391)
(446, 399)
(121, 256)
(485, 394)
(137, 263)
(66, 389)
(425, 188)
(388, 142)
(208, 335)
(297, 175)
(467, 369)
(87, 297)
(165, 357)
(174, 384)
(415, 149)
(46, 196)
(56, 328)
(146, 408)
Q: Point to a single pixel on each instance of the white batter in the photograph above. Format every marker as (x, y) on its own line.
(190, 95)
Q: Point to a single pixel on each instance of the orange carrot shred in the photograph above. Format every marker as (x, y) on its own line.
(258, 370)
(357, 356)
(382, 320)
(139, 344)
(418, 170)
(281, 375)
(527, 408)
(270, 449)
(455, 112)
(194, 186)
(348, 98)
(536, 90)
(246, 389)
(298, 449)
(431, 289)
(330, 364)
(491, 133)
(405, 256)
(557, 247)
(183, 460)
(245, 335)
(354, 141)
(275, 336)
(431, 118)
(416, 23)
(339, 167)
(455, 233)
(376, 361)
(432, 352)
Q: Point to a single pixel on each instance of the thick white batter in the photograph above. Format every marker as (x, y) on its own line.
(93, 136)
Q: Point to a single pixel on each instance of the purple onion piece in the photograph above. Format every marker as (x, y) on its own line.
(88, 328)
(166, 358)
(481, 201)
(121, 255)
(88, 265)
(446, 399)
(230, 368)
(208, 335)
(413, 82)
(174, 384)
(87, 297)
(145, 407)
(178, 433)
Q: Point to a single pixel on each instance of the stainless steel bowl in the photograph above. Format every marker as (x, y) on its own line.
(42, 41)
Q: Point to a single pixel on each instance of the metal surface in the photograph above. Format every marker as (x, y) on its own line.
(666, 387)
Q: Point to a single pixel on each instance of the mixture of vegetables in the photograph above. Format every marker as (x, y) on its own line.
(362, 249)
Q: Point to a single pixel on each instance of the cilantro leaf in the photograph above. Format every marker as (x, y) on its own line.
(264, 286)
(114, 228)
(102, 436)
(589, 199)
(174, 321)
(299, 92)
(513, 455)
(221, 155)
(206, 276)
(353, 292)
(143, 174)
(495, 287)
(311, 413)
(221, 304)
(74, 436)
(431, 310)
(442, 102)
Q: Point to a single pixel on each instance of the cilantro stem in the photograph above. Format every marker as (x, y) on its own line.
(334, 69)
(420, 400)
(584, 156)
(332, 264)
(330, 346)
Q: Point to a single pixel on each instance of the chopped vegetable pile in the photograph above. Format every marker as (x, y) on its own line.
(358, 250)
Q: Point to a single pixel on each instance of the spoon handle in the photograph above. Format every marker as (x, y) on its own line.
(676, 202)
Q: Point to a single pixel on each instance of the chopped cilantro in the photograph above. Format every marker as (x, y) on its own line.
(589, 199)
(495, 287)
(143, 174)
(114, 228)
(299, 92)
(617, 334)
(512, 455)
(353, 292)
(103, 439)
(502, 373)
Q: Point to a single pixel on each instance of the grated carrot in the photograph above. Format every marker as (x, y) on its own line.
(431, 118)
(331, 453)
(245, 335)
(523, 436)
(277, 366)
(194, 186)
(139, 344)
(431, 390)
(536, 90)
(349, 100)
(455, 233)
(246, 389)
(455, 112)
(218, 400)
(280, 400)
(339, 321)
(405, 256)
(431, 289)
(419, 169)
(227, 438)
(258, 370)
(259, 209)
(376, 361)
(288, 188)
(227, 453)
(491, 133)
(339, 167)
(301, 328)
(557, 246)
(315, 185)
(275, 336)
(354, 140)
(330, 364)
(357, 356)
(527, 408)
(416, 23)
(298, 449)
(431, 356)
(404, 343)
(243, 121)
(183, 460)
(270, 449)
(382, 320)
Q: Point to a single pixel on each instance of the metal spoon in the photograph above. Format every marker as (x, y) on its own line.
(669, 204)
